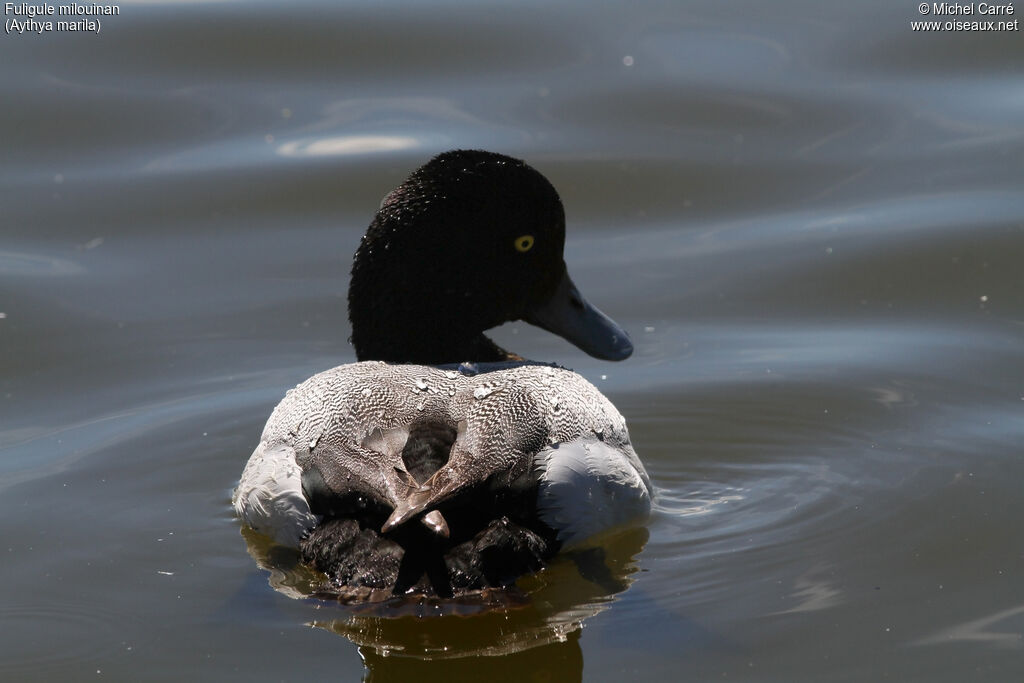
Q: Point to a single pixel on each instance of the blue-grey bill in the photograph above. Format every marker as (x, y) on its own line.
(571, 317)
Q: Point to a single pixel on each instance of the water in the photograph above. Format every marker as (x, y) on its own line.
(808, 215)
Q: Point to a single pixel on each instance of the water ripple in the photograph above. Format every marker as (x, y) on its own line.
(50, 638)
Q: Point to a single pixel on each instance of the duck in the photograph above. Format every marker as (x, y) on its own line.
(440, 465)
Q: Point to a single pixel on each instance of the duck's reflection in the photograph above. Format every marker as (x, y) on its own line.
(531, 635)
(555, 662)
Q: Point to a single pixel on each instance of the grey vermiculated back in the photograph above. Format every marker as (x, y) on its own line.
(503, 416)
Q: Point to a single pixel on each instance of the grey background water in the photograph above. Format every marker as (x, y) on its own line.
(809, 216)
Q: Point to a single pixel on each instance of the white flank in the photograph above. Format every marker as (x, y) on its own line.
(269, 496)
(588, 487)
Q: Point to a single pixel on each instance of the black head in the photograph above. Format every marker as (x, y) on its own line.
(469, 241)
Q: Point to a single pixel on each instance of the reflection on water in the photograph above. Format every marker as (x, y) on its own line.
(15, 264)
(541, 622)
(1003, 629)
(346, 145)
(553, 661)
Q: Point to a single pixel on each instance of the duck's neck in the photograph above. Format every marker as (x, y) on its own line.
(424, 347)
(419, 306)
(391, 325)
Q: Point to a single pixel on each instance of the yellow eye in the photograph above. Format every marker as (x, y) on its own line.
(524, 243)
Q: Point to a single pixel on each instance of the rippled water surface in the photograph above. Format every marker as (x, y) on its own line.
(809, 216)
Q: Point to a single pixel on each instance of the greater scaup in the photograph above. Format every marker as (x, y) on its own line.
(441, 464)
